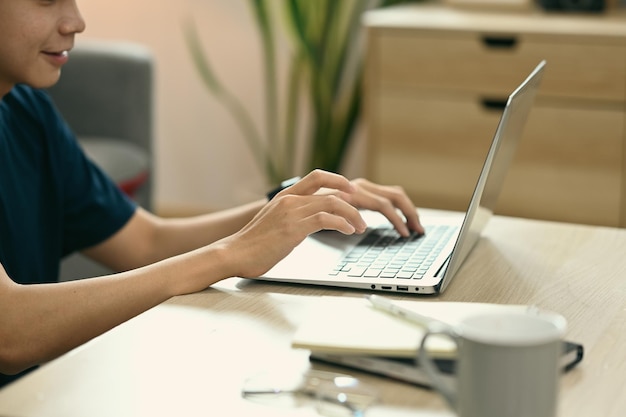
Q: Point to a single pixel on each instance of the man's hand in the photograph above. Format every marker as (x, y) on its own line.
(319, 201)
(386, 200)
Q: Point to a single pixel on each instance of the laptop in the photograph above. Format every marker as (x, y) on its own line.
(380, 260)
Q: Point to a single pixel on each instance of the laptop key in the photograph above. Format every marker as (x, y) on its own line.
(372, 272)
(357, 271)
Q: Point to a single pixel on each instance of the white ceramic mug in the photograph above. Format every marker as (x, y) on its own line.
(507, 364)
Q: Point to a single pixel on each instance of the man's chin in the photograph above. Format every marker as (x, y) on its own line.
(45, 82)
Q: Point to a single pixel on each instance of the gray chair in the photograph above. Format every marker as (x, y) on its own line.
(106, 95)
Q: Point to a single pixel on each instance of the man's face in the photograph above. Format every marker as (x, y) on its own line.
(35, 37)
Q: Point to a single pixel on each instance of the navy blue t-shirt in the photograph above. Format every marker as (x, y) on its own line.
(53, 199)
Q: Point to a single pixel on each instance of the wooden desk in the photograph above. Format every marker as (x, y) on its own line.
(190, 356)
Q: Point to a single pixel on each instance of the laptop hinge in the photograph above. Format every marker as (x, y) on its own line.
(443, 266)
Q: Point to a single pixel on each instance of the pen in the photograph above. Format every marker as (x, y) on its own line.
(386, 305)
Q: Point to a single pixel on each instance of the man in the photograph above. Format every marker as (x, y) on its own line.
(54, 201)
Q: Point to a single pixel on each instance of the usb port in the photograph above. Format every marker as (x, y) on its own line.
(402, 288)
(386, 287)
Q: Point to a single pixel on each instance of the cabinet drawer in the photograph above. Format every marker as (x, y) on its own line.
(492, 64)
(432, 146)
(568, 165)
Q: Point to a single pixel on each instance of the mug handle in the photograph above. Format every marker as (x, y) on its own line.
(446, 389)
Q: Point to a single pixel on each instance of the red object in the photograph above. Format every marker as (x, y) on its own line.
(131, 185)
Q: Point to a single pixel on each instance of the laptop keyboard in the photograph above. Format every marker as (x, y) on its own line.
(383, 253)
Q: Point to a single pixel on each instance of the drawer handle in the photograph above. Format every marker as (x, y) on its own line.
(500, 42)
(493, 104)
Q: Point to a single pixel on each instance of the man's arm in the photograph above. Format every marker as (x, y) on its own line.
(39, 322)
(147, 238)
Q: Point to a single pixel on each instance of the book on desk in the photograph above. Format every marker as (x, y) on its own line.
(408, 370)
(350, 333)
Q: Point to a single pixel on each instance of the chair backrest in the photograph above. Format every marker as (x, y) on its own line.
(106, 90)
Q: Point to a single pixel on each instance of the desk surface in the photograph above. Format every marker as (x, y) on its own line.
(190, 355)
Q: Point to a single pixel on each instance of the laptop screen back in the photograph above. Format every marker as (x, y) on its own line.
(499, 158)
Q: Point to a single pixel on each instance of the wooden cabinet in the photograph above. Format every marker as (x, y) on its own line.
(436, 80)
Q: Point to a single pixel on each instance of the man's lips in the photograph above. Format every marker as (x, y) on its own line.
(57, 58)
(59, 54)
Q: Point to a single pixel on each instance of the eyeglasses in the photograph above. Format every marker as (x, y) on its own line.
(333, 394)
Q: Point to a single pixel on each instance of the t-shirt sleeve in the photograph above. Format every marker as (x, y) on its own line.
(94, 208)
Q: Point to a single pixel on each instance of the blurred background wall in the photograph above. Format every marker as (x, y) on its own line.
(202, 162)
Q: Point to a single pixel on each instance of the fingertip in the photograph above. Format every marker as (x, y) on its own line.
(415, 225)
(420, 229)
(359, 226)
(350, 230)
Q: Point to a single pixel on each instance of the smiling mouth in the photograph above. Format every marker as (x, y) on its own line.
(57, 54)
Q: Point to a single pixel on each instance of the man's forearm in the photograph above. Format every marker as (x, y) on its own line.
(176, 236)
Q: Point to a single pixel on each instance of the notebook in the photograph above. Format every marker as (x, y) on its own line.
(350, 332)
(329, 258)
(408, 369)
(352, 326)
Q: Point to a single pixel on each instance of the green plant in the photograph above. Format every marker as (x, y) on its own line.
(324, 69)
